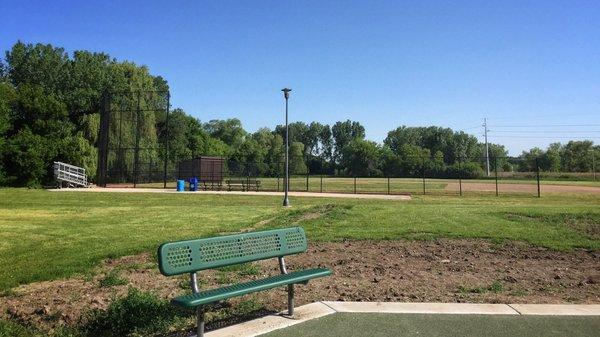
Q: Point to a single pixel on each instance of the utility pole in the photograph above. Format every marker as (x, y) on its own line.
(487, 149)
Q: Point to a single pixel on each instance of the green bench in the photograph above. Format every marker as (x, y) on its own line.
(244, 184)
(191, 256)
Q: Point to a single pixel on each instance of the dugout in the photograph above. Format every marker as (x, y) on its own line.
(208, 170)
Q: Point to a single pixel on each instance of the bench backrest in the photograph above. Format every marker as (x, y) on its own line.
(193, 255)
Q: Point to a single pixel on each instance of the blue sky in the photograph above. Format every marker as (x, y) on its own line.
(525, 65)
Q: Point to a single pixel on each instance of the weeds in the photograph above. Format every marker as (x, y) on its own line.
(223, 277)
(113, 278)
(495, 288)
(12, 329)
(244, 269)
(136, 314)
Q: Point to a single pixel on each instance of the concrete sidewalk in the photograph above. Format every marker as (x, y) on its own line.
(316, 310)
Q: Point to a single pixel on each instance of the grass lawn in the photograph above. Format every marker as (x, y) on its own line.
(47, 235)
(388, 325)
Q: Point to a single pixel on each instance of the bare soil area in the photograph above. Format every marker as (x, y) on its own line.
(404, 271)
(521, 188)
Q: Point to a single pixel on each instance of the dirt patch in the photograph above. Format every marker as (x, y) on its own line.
(431, 271)
(587, 227)
(521, 188)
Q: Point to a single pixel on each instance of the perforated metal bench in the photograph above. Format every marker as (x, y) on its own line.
(181, 257)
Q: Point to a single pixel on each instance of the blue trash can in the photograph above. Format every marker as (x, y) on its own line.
(180, 185)
(194, 184)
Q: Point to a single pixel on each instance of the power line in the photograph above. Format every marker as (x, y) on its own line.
(548, 137)
(470, 128)
(544, 131)
(543, 126)
(546, 116)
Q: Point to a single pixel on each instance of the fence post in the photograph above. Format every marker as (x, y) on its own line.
(496, 173)
(166, 142)
(537, 170)
(423, 169)
(388, 185)
(459, 177)
(354, 184)
(321, 183)
(307, 175)
(136, 154)
(103, 139)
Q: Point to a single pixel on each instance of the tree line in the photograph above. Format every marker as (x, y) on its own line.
(50, 106)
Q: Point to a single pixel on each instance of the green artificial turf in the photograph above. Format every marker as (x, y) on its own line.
(408, 325)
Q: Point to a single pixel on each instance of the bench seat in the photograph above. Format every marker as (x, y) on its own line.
(214, 295)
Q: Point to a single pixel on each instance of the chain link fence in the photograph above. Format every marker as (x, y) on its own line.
(415, 175)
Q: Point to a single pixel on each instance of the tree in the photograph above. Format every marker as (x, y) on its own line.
(272, 143)
(88, 77)
(298, 132)
(3, 72)
(453, 145)
(326, 140)
(58, 99)
(29, 156)
(250, 157)
(390, 163)
(7, 100)
(179, 135)
(230, 131)
(498, 156)
(343, 133)
(551, 159)
(360, 158)
(313, 143)
(413, 160)
(297, 164)
(577, 156)
(39, 64)
(529, 159)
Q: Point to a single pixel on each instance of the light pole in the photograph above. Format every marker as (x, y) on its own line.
(286, 201)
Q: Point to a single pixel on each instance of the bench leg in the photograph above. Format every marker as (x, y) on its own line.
(200, 322)
(290, 292)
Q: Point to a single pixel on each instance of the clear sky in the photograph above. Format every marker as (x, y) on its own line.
(525, 65)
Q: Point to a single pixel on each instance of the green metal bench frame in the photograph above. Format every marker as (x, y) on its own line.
(192, 256)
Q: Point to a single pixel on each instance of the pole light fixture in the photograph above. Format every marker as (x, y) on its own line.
(286, 201)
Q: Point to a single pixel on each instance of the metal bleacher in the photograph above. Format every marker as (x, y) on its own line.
(70, 175)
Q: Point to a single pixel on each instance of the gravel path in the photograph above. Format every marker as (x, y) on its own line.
(293, 194)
